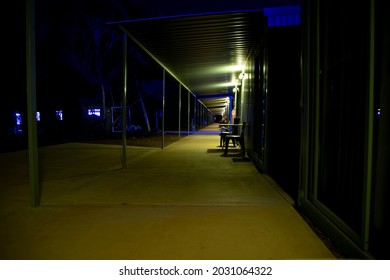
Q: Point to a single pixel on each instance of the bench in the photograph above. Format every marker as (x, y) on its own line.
(228, 129)
(224, 131)
(236, 138)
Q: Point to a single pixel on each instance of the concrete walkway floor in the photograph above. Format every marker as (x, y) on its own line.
(183, 202)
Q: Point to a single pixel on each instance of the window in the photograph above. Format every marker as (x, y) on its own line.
(94, 112)
(59, 115)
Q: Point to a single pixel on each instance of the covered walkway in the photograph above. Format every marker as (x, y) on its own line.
(182, 202)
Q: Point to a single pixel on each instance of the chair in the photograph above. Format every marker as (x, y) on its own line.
(236, 138)
(224, 131)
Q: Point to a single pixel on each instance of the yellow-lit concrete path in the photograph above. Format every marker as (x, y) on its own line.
(183, 202)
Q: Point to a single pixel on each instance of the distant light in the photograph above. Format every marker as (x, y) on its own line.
(38, 116)
(18, 118)
(379, 112)
(18, 123)
(59, 115)
(94, 112)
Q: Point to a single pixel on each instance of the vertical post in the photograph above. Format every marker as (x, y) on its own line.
(203, 116)
(230, 109)
(179, 110)
(31, 104)
(239, 111)
(195, 112)
(370, 133)
(124, 98)
(235, 101)
(163, 112)
(201, 113)
(188, 112)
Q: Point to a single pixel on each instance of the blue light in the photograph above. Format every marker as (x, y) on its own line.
(94, 112)
(18, 124)
(18, 118)
(59, 115)
(283, 16)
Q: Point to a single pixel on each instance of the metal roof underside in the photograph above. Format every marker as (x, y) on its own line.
(205, 53)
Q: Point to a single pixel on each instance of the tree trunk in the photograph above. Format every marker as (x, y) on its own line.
(144, 111)
(143, 105)
(103, 103)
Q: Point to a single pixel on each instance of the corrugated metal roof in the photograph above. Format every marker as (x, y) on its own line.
(204, 52)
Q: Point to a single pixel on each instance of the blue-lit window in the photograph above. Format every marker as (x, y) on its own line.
(18, 118)
(94, 112)
(18, 123)
(59, 115)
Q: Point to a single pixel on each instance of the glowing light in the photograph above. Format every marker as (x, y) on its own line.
(94, 112)
(59, 115)
(18, 118)
(220, 70)
(18, 126)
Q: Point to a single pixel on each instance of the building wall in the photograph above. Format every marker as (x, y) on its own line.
(272, 96)
(342, 131)
(317, 100)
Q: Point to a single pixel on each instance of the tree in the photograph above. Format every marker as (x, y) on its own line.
(87, 51)
(94, 50)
